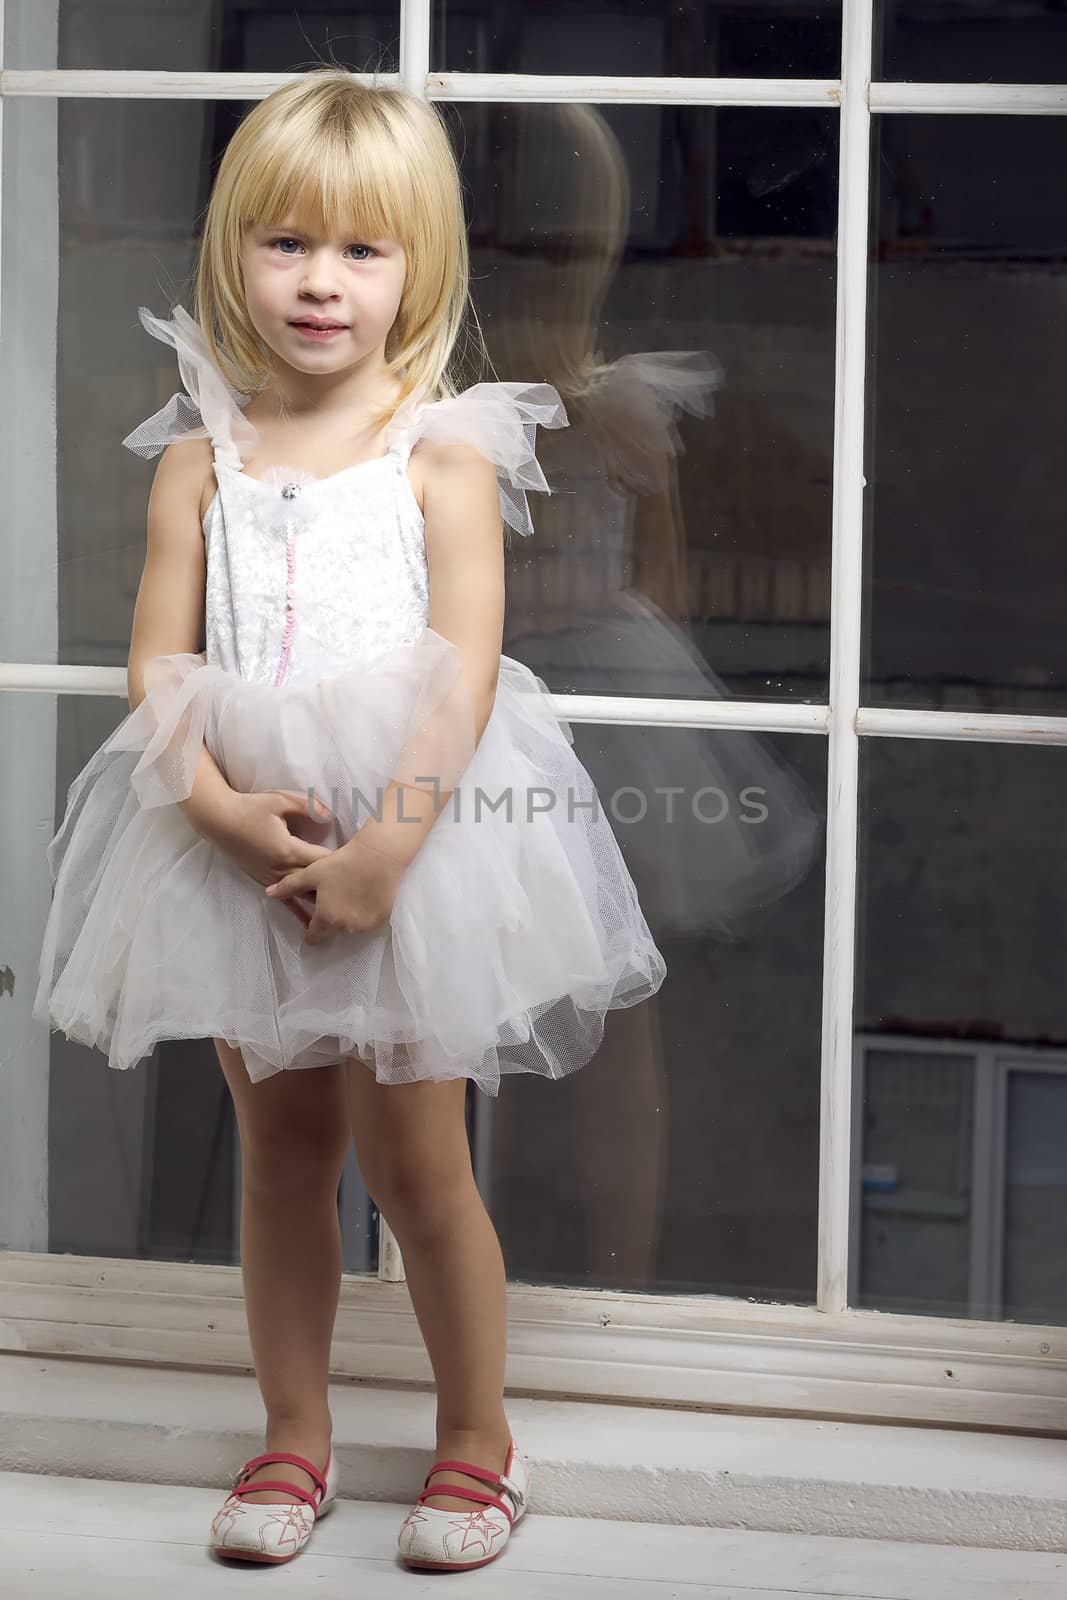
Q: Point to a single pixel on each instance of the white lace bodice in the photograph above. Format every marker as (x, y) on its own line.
(308, 576)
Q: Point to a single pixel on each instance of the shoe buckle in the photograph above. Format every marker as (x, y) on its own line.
(512, 1488)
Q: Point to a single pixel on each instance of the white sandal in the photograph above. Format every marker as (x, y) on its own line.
(448, 1540)
(272, 1531)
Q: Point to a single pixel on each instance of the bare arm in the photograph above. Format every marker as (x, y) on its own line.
(169, 611)
(465, 558)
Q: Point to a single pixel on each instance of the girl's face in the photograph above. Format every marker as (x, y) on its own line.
(291, 274)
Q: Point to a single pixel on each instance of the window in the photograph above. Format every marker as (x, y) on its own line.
(836, 1128)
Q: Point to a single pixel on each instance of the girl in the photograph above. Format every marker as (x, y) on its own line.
(350, 837)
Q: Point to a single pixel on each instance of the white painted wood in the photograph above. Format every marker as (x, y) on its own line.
(846, 610)
(759, 715)
(768, 716)
(1000, 726)
(93, 1419)
(935, 99)
(690, 1351)
(487, 86)
(604, 90)
(94, 84)
(415, 24)
(985, 99)
(390, 1261)
(29, 616)
(105, 1540)
(49, 678)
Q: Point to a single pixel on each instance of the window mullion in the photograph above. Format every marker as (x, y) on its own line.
(839, 933)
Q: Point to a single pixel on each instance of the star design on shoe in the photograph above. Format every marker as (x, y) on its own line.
(266, 1527)
(431, 1536)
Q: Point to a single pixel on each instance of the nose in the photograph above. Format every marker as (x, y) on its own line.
(318, 278)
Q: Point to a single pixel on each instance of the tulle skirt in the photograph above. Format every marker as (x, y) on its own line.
(515, 928)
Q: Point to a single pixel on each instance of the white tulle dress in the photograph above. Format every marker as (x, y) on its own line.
(517, 925)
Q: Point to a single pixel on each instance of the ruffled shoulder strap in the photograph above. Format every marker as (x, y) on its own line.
(498, 419)
(210, 408)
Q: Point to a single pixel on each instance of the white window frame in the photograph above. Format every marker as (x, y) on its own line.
(823, 1360)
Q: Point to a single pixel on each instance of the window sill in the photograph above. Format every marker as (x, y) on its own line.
(694, 1352)
(146, 1424)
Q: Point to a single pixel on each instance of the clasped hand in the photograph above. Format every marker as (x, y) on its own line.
(352, 888)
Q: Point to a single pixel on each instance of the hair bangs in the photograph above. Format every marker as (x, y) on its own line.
(358, 189)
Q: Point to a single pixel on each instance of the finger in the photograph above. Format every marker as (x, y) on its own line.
(311, 806)
(292, 883)
(310, 852)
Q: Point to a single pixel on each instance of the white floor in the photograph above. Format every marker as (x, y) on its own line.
(95, 1539)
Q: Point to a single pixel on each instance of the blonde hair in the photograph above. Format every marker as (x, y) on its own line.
(377, 161)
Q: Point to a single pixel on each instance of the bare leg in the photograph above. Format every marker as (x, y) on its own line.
(294, 1141)
(411, 1142)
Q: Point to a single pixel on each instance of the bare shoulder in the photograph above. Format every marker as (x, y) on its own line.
(184, 478)
(449, 474)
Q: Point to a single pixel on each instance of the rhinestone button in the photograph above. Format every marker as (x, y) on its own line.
(290, 491)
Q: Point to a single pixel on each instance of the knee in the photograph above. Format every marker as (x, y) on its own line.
(301, 1156)
(422, 1196)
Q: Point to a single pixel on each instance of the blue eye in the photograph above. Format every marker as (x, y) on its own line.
(288, 240)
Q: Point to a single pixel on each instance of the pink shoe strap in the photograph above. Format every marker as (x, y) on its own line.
(290, 1488)
(464, 1466)
(463, 1493)
(311, 1500)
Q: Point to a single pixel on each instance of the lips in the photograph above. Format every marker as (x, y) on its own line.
(310, 322)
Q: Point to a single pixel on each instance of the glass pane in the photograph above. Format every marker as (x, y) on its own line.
(914, 1245)
(200, 35)
(701, 1103)
(970, 41)
(686, 559)
(966, 577)
(639, 38)
(684, 1157)
(142, 1164)
(615, 249)
(713, 883)
(76, 265)
(963, 876)
(1035, 1209)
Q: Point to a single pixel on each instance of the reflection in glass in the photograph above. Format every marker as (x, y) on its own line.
(684, 1157)
(733, 548)
(1032, 1260)
(597, 602)
(914, 1247)
(745, 508)
(960, 1202)
(697, 368)
(711, 255)
(966, 577)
